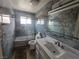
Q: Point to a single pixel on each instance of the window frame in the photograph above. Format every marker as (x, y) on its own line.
(26, 21)
(9, 18)
(2, 15)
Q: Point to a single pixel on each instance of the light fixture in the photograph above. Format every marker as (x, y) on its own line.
(35, 2)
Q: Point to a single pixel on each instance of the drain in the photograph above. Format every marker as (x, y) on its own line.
(54, 51)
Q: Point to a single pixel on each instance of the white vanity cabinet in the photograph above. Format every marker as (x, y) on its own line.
(47, 49)
(40, 54)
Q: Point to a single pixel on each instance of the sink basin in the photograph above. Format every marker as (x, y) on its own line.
(56, 52)
(51, 48)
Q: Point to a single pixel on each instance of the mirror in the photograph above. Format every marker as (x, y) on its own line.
(65, 25)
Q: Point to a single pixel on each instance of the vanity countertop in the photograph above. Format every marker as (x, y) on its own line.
(72, 55)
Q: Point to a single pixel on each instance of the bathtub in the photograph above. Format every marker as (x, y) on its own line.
(22, 40)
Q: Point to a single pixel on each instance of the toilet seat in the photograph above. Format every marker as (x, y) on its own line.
(32, 44)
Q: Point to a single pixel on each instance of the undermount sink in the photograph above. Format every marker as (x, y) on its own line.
(58, 52)
(51, 48)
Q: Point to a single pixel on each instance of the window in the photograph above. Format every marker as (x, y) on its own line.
(6, 19)
(40, 21)
(28, 21)
(25, 20)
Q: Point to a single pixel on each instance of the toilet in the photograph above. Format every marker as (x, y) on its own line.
(32, 43)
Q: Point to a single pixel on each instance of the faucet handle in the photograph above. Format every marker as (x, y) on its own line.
(62, 46)
(58, 43)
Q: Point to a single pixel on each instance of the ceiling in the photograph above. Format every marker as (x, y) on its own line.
(23, 5)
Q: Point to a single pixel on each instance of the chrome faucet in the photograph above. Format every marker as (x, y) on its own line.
(59, 44)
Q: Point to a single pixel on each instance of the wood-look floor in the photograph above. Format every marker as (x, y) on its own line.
(23, 53)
